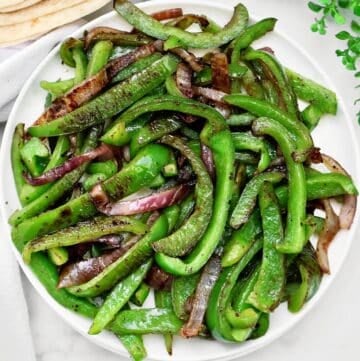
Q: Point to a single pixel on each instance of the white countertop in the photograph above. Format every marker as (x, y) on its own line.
(330, 331)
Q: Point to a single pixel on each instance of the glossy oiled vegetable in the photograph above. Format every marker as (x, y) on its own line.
(159, 171)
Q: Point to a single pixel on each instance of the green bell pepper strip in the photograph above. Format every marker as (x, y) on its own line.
(58, 255)
(185, 238)
(240, 120)
(134, 345)
(117, 298)
(250, 82)
(35, 156)
(17, 164)
(262, 327)
(182, 288)
(302, 290)
(312, 92)
(139, 173)
(84, 232)
(148, 25)
(136, 67)
(137, 255)
(111, 102)
(66, 50)
(249, 35)
(247, 200)
(81, 63)
(294, 238)
(100, 54)
(186, 208)
(223, 152)
(321, 185)
(311, 116)
(172, 214)
(57, 88)
(246, 141)
(141, 294)
(220, 297)
(185, 21)
(170, 103)
(275, 73)
(242, 240)
(172, 88)
(163, 300)
(145, 321)
(109, 168)
(298, 131)
(153, 131)
(57, 190)
(204, 77)
(270, 284)
(29, 193)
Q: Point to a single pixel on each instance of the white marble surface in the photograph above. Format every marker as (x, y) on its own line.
(329, 332)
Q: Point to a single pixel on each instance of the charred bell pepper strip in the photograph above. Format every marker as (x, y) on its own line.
(246, 141)
(59, 155)
(84, 232)
(146, 24)
(182, 289)
(312, 92)
(144, 321)
(294, 238)
(132, 259)
(298, 131)
(223, 151)
(220, 297)
(153, 131)
(241, 240)
(301, 289)
(57, 190)
(275, 73)
(171, 103)
(139, 173)
(100, 55)
(270, 284)
(248, 35)
(111, 102)
(136, 67)
(17, 164)
(321, 185)
(117, 298)
(247, 201)
(185, 238)
(67, 48)
(163, 300)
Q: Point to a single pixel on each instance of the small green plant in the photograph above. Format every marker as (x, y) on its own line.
(336, 10)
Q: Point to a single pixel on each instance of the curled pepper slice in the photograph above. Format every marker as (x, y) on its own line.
(295, 232)
(148, 25)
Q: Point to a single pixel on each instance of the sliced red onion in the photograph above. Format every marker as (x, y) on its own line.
(268, 50)
(159, 279)
(183, 80)
(92, 86)
(80, 272)
(331, 228)
(154, 201)
(98, 196)
(210, 94)
(208, 159)
(167, 14)
(188, 57)
(190, 19)
(208, 278)
(71, 164)
(348, 209)
(220, 72)
(94, 33)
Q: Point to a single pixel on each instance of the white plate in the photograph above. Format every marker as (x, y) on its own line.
(329, 135)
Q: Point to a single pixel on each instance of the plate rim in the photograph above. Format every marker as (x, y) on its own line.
(59, 309)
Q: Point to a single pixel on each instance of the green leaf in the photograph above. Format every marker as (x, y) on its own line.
(314, 27)
(325, 2)
(356, 10)
(343, 35)
(314, 7)
(355, 27)
(344, 3)
(357, 74)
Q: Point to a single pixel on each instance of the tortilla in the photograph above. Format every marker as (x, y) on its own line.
(42, 8)
(18, 32)
(6, 3)
(22, 5)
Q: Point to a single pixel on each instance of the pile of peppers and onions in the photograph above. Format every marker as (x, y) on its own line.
(154, 169)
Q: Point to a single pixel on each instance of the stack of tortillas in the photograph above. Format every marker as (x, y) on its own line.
(22, 20)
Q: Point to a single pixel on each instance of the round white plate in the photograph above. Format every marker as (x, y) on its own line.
(335, 136)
